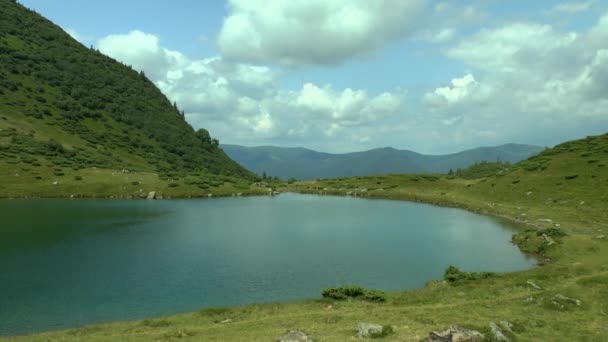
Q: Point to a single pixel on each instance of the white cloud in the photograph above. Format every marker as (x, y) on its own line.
(312, 31)
(242, 101)
(531, 81)
(571, 7)
(139, 49)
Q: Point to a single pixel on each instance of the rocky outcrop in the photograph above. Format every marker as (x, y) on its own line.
(455, 333)
(295, 336)
(561, 300)
(369, 330)
(151, 195)
(534, 285)
(498, 334)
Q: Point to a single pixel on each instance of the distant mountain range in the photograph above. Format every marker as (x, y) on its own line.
(305, 164)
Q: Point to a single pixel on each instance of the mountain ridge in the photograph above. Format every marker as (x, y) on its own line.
(306, 164)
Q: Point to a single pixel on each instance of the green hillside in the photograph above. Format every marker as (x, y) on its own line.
(305, 164)
(67, 112)
(557, 199)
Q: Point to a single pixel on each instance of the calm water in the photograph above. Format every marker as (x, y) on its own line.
(69, 263)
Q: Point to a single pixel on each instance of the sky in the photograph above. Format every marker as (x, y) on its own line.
(350, 75)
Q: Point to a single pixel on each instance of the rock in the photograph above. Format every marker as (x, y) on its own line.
(369, 330)
(274, 193)
(454, 333)
(507, 325)
(559, 299)
(548, 239)
(151, 195)
(528, 193)
(531, 283)
(55, 182)
(209, 195)
(295, 336)
(600, 237)
(499, 336)
(227, 320)
(529, 299)
(546, 220)
(558, 225)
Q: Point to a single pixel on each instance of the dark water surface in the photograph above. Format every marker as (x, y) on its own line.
(69, 263)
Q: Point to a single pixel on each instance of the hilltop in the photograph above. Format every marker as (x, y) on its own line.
(559, 201)
(305, 164)
(71, 118)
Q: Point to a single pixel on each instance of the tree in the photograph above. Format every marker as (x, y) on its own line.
(264, 176)
(451, 172)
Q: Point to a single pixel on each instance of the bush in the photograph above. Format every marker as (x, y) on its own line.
(78, 178)
(454, 274)
(354, 291)
(173, 185)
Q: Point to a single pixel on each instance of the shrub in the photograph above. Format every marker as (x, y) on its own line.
(354, 291)
(78, 178)
(454, 274)
(173, 185)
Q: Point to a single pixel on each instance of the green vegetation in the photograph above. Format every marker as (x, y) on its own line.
(481, 169)
(67, 111)
(453, 274)
(540, 303)
(353, 291)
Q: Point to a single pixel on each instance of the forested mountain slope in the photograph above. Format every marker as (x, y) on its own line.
(65, 107)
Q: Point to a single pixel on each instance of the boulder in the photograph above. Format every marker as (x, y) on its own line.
(560, 300)
(531, 283)
(369, 330)
(151, 195)
(455, 333)
(507, 325)
(498, 335)
(295, 336)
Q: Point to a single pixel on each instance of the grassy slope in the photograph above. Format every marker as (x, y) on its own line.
(534, 189)
(68, 111)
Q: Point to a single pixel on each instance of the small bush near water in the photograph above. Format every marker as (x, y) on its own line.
(453, 274)
(353, 291)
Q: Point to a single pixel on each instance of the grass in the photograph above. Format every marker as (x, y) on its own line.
(572, 212)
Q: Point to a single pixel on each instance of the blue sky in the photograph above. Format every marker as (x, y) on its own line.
(431, 76)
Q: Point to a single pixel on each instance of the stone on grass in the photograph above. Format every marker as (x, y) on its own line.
(497, 333)
(151, 195)
(367, 330)
(531, 283)
(455, 333)
(295, 336)
(560, 299)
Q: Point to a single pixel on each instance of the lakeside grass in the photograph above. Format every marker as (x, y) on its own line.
(560, 188)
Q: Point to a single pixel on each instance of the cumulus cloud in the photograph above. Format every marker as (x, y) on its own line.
(296, 32)
(243, 101)
(530, 79)
(141, 50)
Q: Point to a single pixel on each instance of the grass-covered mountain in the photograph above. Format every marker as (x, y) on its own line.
(305, 164)
(66, 110)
